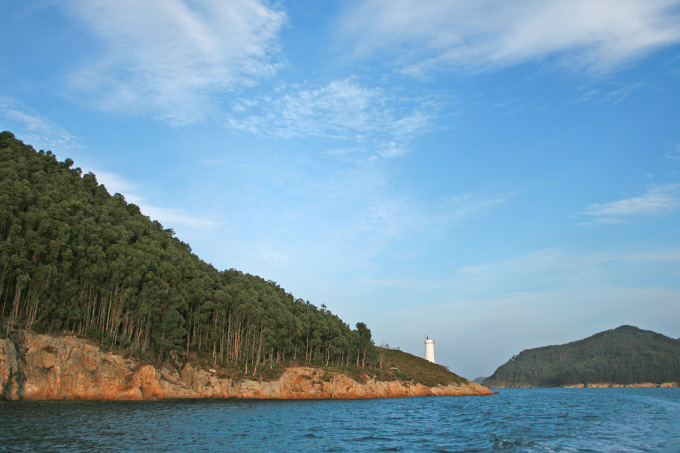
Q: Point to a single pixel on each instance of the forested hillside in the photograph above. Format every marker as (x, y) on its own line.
(624, 356)
(75, 259)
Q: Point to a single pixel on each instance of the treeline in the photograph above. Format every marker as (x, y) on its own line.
(75, 259)
(625, 355)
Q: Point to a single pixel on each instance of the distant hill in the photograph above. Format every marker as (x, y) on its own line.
(622, 356)
(480, 379)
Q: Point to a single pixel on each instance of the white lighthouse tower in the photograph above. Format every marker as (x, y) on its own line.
(429, 350)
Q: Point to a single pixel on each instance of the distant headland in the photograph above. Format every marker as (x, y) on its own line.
(623, 357)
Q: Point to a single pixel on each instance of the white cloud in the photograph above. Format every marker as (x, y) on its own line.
(168, 217)
(342, 110)
(673, 154)
(171, 216)
(42, 133)
(34, 129)
(558, 268)
(461, 207)
(381, 225)
(657, 200)
(541, 269)
(117, 184)
(169, 57)
(596, 35)
(391, 218)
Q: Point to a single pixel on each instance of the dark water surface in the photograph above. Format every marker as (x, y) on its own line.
(536, 420)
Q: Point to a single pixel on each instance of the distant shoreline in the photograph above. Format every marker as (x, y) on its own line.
(595, 386)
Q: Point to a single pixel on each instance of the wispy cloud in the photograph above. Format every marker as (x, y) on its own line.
(391, 218)
(176, 217)
(560, 268)
(657, 200)
(595, 35)
(343, 110)
(544, 268)
(403, 225)
(35, 129)
(43, 133)
(169, 58)
(673, 154)
(461, 207)
(169, 217)
(614, 94)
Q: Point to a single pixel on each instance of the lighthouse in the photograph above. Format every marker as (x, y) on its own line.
(429, 350)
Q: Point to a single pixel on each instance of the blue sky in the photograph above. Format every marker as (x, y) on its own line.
(496, 175)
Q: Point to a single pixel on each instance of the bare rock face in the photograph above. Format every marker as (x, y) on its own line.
(41, 367)
(9, 369)
(46, 367)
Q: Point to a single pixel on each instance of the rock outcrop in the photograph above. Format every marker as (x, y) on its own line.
(42, 367)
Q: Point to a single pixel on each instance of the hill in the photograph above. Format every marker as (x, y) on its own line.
(79, 263)
(75, 259)
(402, 366)
(622, 356)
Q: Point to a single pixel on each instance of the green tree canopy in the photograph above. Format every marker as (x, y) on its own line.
(75, 259)
(625, 355)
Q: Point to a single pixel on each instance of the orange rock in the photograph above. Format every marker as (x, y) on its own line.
(149, 383)
(50, 367)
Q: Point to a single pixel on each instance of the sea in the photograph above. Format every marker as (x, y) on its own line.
(514, 420)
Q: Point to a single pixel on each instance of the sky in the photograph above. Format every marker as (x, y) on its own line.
(495, 175)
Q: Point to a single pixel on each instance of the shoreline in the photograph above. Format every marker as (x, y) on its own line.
(44, 367)
(596, 386)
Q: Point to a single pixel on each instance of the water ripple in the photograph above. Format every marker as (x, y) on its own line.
(538, 420)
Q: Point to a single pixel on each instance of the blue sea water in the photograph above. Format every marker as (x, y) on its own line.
(527, 420)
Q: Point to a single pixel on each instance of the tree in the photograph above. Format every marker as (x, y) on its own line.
(365, 343)
(75, 259)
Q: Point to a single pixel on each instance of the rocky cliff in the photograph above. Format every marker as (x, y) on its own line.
(41, 367)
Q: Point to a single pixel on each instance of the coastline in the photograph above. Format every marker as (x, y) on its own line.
(610, 385)
(43, 367)
(599, 385)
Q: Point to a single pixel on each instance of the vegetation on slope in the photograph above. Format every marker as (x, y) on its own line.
(399, 365)
(74, 259)
(625, 355)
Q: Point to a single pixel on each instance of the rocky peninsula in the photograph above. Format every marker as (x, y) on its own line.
(43, 367)
(78, 260)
